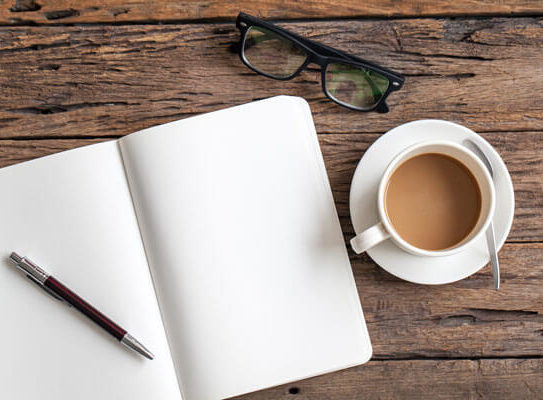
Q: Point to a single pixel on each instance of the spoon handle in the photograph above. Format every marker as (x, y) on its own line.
(491, 242)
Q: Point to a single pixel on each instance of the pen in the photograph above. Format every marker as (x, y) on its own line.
(61, 292)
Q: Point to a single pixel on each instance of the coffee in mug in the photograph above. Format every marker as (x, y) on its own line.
(433, 201)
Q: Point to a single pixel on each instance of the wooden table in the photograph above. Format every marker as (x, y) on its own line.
(79, 72)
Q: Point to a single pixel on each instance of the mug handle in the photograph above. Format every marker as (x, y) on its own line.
(369, 238)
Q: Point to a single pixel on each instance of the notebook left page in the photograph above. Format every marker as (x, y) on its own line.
(72, 214)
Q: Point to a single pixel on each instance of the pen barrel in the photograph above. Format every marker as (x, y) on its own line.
(85, 308)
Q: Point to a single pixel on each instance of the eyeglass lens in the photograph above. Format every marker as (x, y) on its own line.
(272, 54)
(354, 85)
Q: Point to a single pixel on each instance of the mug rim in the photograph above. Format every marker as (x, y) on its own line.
(390, 228)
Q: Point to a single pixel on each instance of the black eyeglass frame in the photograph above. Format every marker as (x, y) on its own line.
(321, 55)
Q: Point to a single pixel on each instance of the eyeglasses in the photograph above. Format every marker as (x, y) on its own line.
(347, 80)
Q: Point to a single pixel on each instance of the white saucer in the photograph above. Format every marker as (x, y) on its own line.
(363, 204)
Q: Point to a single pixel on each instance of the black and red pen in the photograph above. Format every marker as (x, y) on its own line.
(61, 292)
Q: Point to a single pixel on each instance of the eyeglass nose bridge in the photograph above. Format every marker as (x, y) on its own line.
(316, 59)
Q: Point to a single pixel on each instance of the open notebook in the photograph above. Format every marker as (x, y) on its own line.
(214, 240)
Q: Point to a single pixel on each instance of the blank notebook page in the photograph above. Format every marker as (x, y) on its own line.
(245, 248)
(72, 214)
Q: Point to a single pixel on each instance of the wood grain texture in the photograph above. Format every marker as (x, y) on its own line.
(419, 379)
(108, 11)
(112, 80)
(67, 86)
(464, 319)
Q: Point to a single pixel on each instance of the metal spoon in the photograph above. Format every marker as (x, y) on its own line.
(490, 238)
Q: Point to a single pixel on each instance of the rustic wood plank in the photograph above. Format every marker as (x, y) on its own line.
(108, 81)
(419, 379)
(107, 11)
(112, 80)
(464, 319)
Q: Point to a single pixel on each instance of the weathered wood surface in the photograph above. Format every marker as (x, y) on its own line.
(419, 379)
(112, 80)
(67, 86)
(464, 319)
(111, 11)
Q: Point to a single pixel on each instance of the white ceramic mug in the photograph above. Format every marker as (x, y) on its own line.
(384, 229)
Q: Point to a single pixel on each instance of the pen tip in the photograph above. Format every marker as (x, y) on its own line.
(132, 343)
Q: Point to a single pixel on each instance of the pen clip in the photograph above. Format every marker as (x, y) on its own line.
(56, 296)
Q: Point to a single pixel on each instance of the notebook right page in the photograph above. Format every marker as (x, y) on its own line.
(245, 248)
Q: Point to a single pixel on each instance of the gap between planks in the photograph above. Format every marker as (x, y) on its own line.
(223, 20)
(63, 12)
